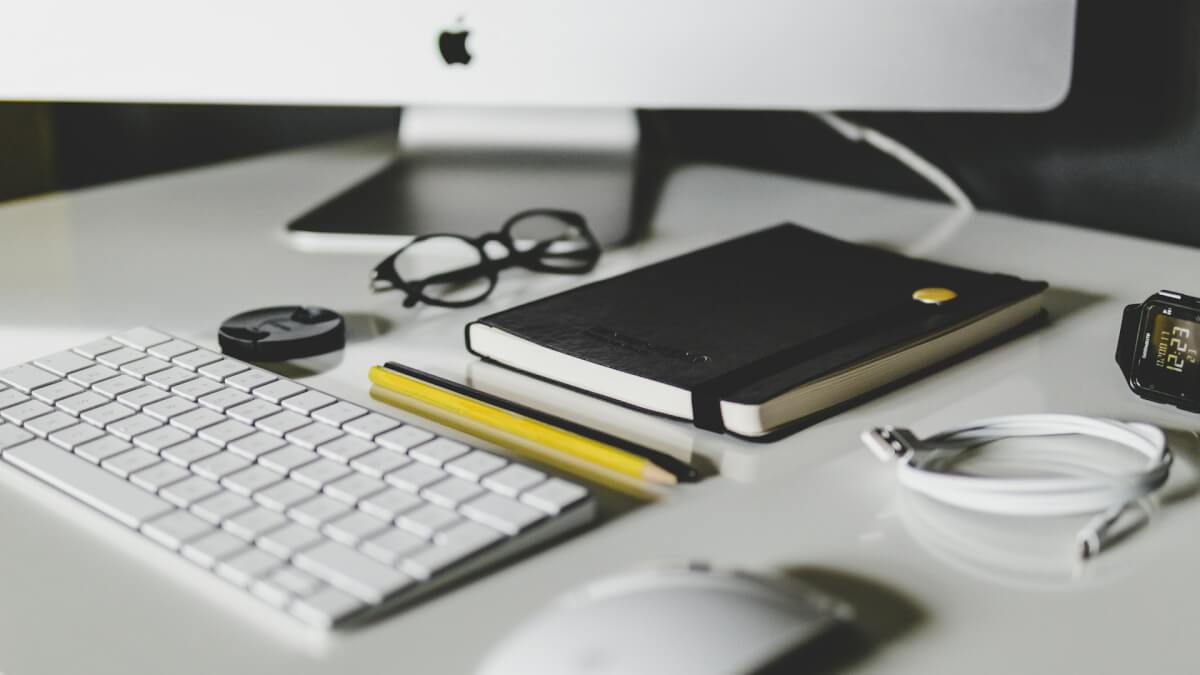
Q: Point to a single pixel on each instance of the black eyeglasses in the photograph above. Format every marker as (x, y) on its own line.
(450, 270)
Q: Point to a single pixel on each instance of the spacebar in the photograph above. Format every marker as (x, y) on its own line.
(87, 482)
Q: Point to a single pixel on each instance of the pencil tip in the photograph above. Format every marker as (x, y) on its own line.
(659, 475)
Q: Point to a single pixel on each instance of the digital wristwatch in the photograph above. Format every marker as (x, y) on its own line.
(1157, 349)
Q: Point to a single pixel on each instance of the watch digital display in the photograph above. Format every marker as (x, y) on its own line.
(1167, 360)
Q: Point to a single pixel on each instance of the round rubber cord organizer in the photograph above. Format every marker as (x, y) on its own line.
(1097, 487)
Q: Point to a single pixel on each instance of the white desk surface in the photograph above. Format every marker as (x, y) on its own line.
(936, 590)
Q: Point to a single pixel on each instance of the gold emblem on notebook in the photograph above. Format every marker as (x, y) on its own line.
(934, 296)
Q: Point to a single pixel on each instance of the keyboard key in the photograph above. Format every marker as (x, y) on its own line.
(390, 546)
(390, 503)
(174, 529)
(102, 448)
(219, 465)
(129, 461)
(281, 423)
(77, 404)
(11, 434)
(170, 349)
(144, 367)
(224, 399)
(253, 410)
(279, 390)
(345, 448)
(433, 559)
(171, 377)
(452, 492)
(317, 511)
(244, 567)
(119, 357)
(75, 436)
(89, 376)
(23, 412)
(325, 608)
(370, 425)
(354, 487)
(211, 548)
(116, 498)
(133, 425)
(284, 495)
(254, 522)
(425, 521)
(221, 506)
(142, 397)
(250, 480)
(94, 349)
(169, 407)
(195, 389)
(157, 440)
(189, 451)
(249, 379)
(141, 338)
(308, 401)
(289, 540)
(159, 476)
(270, 592)
(53, 393)
(379, 462)
(313, 435)
(404, 438)
(295, 581)
(115, 386)
(256, 444)
(475, 465)
(351, 571)
(64, 363)
(502, 513)
(318, 474)
(195, 420)
(11, 397)
(354, 527)
(222, 369)
(196, 359)
(47, 424)
(554, 496)
(225, 432)
(338, 413)
(189, 491)
(438, 452)
(287, 458)
(415, 476)
(26, 377)
(513, 480)
(107, 414)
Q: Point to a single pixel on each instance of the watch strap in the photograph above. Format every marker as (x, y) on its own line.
(1127, 339)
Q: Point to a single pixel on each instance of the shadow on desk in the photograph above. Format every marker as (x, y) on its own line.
(882, 615)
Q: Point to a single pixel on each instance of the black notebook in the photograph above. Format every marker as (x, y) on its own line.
(756, 334)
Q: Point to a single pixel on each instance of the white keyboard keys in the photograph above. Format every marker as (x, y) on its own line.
(243, 568)
(133, 425)
(208, 549)
(171, 349)
(116, 498)
(513, 480)
(379, 462)
(47, 424)
(415, 476)
(289, 540)
(195, 420)
(79, 403)
(159, 476)
(224, 399)
(354, 488)
(279, 390)
(142, 397)
(11, 434)
(219, 465)
(196, 389)
(504, 514)
(338, 413)
(425, 521)
(439, 451)
(391, 546)
(64, 363)
(250, 480)
(175, 528)
(284, 495)
(119, 357)
(390, 503)
(144, 367)
(287, 458)
(221, 505)
(160, 439)
(196, 359)
(129, 461)
(345, 448)
(98, 347)
(475, 465)
(115, 386)
(189, 451)
(325, 608)
(223, 433)
(107, 414)
(468, 539)
(249, 379)
(142, 338)
(256, 444)
(53, 393)
(23, 412)
(283, 422)
(221, 369)
(167, 408)
(317, 511)
(89, 376)
(404, 438)
(554, 496)
(307, 402)
(319, 473)
(254, 522)
(354, 527)
(253, 410)
(370, 425)
(102, 448)
(312, 435)
(189, 491)
(295, 581)
(11, 397)
(171, 377)
(351, 571)
(452, 492)
(75, 436)
(26, 377)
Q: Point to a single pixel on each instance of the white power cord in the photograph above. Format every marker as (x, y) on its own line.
(1097, 487)
(886, 144)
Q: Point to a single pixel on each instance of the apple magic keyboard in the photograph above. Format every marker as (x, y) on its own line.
(321, 508)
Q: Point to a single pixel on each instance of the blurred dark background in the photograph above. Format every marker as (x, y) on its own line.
(1122, 153)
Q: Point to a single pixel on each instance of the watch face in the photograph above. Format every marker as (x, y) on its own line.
(1166, 358)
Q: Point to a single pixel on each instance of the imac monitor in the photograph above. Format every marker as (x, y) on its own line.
(502, 97)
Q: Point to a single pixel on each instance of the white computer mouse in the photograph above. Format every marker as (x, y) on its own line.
(689, 619)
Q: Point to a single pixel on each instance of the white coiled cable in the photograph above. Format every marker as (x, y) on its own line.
(1106, 493)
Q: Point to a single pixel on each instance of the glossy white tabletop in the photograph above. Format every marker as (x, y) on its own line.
(936, 590)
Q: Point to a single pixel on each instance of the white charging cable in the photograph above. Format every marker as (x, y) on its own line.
(1097, 486)
(902, 153)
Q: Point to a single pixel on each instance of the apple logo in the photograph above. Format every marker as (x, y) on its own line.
(453, 46)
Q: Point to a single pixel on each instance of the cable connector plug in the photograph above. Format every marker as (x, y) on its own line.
(890, 443)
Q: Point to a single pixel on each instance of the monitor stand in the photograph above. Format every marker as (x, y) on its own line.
(466, 170)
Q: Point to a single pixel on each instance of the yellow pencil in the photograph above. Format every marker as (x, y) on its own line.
(584, 448)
